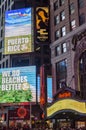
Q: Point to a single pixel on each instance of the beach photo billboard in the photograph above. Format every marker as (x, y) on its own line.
(18, 31)
(18, 84)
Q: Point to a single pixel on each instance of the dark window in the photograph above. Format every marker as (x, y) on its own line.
(61, 71)
(57, 51)
(0, 44)
(62, 2)
(0, 56)
(1, 33)
(57, 34)
(3, 64)
(81, 3)
(56, 5)
(18, 5)
(6, 5)
(82, 19)
(6, 63)
(20, 62)
(38, 63)
(72, 8)
(56, 18)
(82, 74)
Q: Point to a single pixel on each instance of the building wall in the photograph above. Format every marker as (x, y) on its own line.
(68, 17)
(71, 56)
(4, 5)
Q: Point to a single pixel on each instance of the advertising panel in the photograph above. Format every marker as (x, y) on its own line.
(42, 24)
(49, 89)
(18, 31)
(18, 84)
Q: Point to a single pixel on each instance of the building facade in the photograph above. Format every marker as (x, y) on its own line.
(40, 55)
(68, 47)
(4, 5)
(68, 60)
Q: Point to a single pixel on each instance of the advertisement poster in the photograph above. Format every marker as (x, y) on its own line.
(49, 89)
(18, 31)
(42, 24)
(18, 84)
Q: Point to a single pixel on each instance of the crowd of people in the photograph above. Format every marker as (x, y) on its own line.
(38, 126)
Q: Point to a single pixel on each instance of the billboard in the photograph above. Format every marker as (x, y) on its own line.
(18, 84)
(42, 24)
(49, 89)
(18, 32)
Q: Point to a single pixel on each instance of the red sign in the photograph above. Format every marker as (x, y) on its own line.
(43, 96)
(21, 112)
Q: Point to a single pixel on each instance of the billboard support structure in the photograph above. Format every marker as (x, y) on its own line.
(30, 115)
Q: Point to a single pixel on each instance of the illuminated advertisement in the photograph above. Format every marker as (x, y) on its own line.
(49, 89)
(42, 24)
(67, 104)
(18, 84)
(18, 31)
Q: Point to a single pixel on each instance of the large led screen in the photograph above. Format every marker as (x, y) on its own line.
(49, 89)
(42, 24)
(18, 84)
(18, 31)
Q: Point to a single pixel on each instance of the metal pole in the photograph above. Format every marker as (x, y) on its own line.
(30, 115)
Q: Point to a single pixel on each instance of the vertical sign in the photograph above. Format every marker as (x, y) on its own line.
(43, 90)
(42, 24)
(18, 31)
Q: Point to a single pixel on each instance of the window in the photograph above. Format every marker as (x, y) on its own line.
(6, 63)
(63, 31)
(82, 19)
(56, 5)
(57, 34)
(0, 44)
(64, 47)
(57, 50)
(73, 24)
(81, 3)
(82, 74)
(20, 62)
(62, 15)
(61, 71)
(56, 20)
(62, 2)
(0, 56)
(72, 8)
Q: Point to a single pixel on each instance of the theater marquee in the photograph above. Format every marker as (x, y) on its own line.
(67, 104)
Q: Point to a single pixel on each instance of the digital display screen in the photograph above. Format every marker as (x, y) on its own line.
(42, 24)
(49, 89)
(18, 34)
(18, 84)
